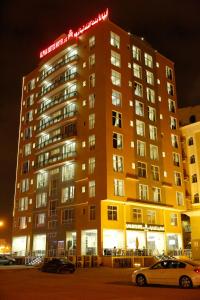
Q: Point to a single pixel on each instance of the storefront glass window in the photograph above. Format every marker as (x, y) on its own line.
(89, 242)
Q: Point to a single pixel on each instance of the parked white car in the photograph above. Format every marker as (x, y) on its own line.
(185, 274)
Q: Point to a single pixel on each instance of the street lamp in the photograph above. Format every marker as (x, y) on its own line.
(1, 223)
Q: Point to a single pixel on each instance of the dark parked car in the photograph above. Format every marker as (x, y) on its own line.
(6, 260)
(56, 265)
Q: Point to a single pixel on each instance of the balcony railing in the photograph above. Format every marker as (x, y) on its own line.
(54, 159)
(56, 120)
(58, 65)
(57, 100)
(57, 82)
(56, 138)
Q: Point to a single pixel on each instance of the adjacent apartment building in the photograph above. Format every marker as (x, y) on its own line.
(99, 158)
(190, 139)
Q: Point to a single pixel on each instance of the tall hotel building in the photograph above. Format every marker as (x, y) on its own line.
(99, 159)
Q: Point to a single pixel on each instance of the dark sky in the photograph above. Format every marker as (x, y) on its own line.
(28, 26)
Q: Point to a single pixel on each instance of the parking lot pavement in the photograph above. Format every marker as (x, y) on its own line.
(85, 284)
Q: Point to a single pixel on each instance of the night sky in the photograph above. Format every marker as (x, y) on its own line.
(28, 26)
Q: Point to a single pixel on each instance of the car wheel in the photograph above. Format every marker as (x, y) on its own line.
(185, 282)
(141, 280)
(10, 262)
(72, 271)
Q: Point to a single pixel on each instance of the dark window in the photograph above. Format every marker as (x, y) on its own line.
(192, 119)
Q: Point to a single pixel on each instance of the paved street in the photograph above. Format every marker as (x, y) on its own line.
(94, 283)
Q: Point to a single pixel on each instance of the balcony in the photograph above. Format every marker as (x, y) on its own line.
(61, 79)
(55, 159)
(57, 66)
(57, 100)
(56, 120)
(56, 138)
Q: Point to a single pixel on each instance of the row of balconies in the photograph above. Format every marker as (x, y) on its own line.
(57, 119)
(54, 159)
(68, 133)
(57, 66)
(61, 79)
(57, 100)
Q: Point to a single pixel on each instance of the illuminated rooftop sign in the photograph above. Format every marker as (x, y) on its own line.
(101, 17)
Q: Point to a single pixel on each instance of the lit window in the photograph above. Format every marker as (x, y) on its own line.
(91, 101)
(137, 215)
(116, 119)
(150, 95)
(114, 40)
(169, 73)
(22, 222)
(171, 105)
(174, 219)
(118, 187)
(140, 128)
(92, 188)
(68, 172)
(142, 169)
(25, 185)
(143, 192)
(139, 108)
(117, 140)
(170, 89)
(153, 152)
(115, 59)
(68, 194)
(92, 80)
(149, 77)
(91, 60)
(118, 163)
(137, 71)
(179, 198)
(151, 217)
(141, 148)
(116, 78)
(152, 113)
(112, 213)
(156, 194)
(91, 121)
(173, 123)
(155, 172)
(176, 159)
(41, 200)
(91, 163)
(136, 53)
(174, 140)
(40, 219)
(116, 98)
(91, 142)
(138, 90)
(148, 60)
(23, 204)
(153, 132)
(92, 41)
(177, 178)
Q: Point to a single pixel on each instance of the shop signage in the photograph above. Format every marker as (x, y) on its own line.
(74, 34)
(148, 227)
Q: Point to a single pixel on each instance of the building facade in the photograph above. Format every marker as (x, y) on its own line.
(190, 139)
(99, 158)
